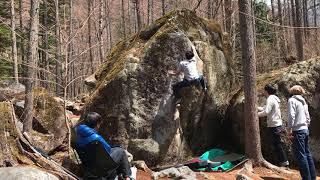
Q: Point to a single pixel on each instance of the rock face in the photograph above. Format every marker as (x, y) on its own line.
(50, 129)
(133, 91)
(307, 74)
(25, 173)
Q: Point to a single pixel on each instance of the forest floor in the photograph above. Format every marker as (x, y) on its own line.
(258, 174)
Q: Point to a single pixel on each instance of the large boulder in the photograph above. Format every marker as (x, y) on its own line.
(134, 96)
(306, 74)
(49, 126)
(8, 89)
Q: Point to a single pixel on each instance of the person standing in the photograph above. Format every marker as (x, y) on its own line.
(298, 125)
(274, 122)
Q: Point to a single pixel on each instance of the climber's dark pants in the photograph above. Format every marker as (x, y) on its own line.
(185, 83)
(120, 157)
(277, 143)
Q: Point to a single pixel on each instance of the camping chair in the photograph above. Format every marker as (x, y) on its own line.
(97, 163)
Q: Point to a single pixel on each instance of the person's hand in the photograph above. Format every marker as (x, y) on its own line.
(171, 72)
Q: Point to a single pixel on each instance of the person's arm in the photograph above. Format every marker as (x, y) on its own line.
(175, 72)
(260, 109)
(291, 115)
(267, 109)
(307, 114)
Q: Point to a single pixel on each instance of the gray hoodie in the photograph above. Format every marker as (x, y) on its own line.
(298, 113)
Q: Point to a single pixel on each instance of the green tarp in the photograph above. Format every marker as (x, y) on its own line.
(220, 160)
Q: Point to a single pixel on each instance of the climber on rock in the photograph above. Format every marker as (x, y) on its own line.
(191, 75)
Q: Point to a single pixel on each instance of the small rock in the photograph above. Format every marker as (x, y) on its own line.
(90, 81)
(146, 149)
(204, 175)
(242, 177)
(187, 173)
(142, 166)
(167, 173)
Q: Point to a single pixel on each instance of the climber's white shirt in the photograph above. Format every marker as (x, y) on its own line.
(189, 69)
(272, 111)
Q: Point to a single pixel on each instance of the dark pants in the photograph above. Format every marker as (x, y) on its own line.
(185, 83)
(119, 156)
(303, 154)
(277, 143)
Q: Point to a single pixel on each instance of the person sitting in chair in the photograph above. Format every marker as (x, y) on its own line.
(191, 75)
(86, 133)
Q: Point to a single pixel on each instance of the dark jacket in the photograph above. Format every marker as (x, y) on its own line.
(86, 135)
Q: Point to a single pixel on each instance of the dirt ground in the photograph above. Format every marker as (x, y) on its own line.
(259, 174)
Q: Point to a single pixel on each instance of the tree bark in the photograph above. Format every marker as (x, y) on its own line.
(71, 50)
(299, 31)
(209, 9)
(150, 11)
(137, 14)
(272, 10)
(89, 36)
(32, 59)
(14, 43)
(45, 42)
(101, 51)
(123, 20)
(58, 50)
(315, 13)
(22, 50)
(252, 132)
(228, 12)
(305, 18)
(163, 5)
(280, 12)
(108, 22)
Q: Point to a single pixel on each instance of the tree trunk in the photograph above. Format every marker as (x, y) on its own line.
(90, 37)
(45, 42)
(315, 13)
(14, 43)
(123, 20)
(108, 22)
(228, 12)
(101, 51)
(272, 10)
(31, 69)
(71, 51)
(163, 5)
(280, 12)
(305, 18)
(299, 31)
(58, 50)
(22, 43)
(150, 11)
(209, 9)
(137, 14)
(252, 132)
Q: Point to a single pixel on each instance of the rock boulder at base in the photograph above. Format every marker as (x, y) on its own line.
(306, 74)
(49, 126)
(25, 173)
(133, 91)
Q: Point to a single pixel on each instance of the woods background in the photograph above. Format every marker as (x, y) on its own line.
(72, 38)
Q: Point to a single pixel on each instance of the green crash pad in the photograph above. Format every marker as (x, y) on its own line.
(220, 160)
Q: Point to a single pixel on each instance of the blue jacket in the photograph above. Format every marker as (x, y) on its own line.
(86, 135)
